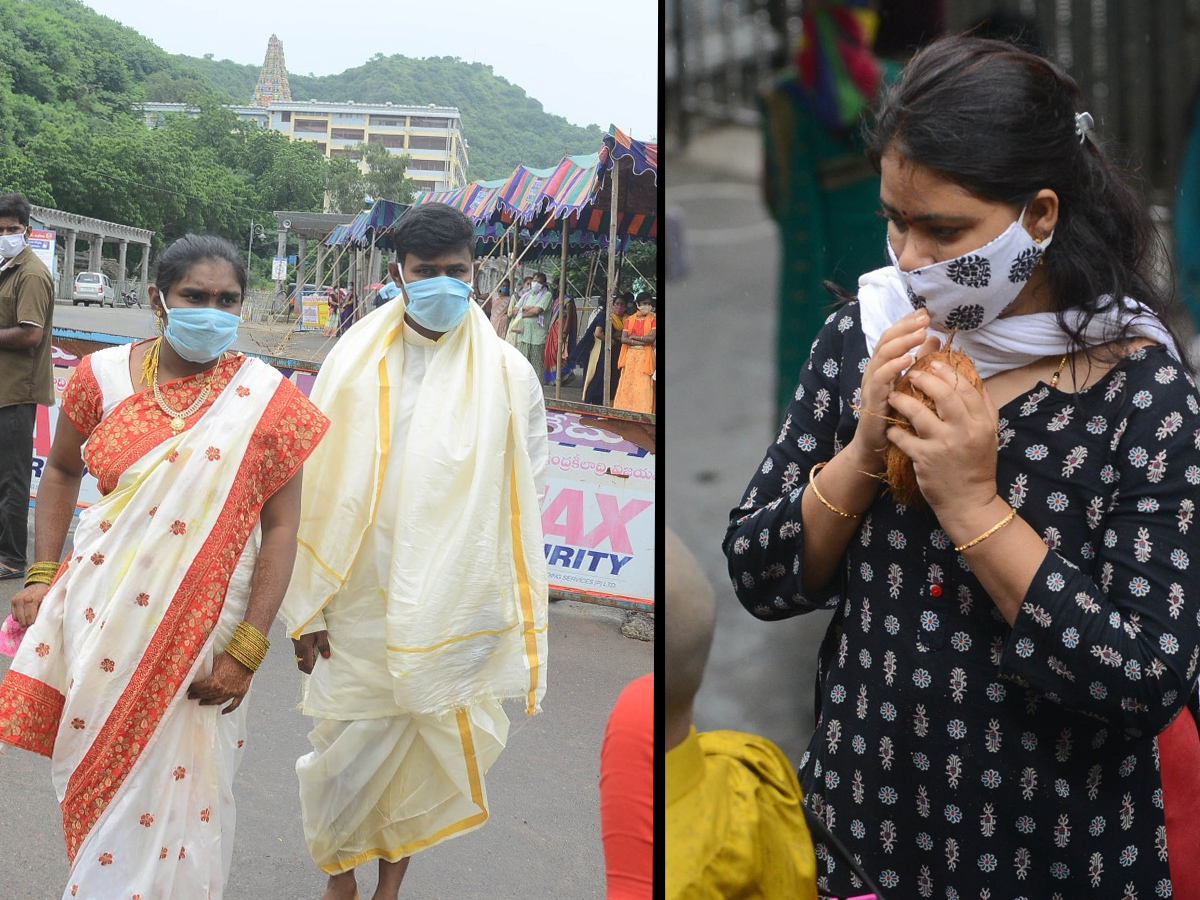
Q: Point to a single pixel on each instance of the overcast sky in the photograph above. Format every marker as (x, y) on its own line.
(591, 63)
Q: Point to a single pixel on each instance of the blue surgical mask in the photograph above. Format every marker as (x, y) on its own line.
(439, 303)
(200, 333)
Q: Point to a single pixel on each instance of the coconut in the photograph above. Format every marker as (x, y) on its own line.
(901, 478)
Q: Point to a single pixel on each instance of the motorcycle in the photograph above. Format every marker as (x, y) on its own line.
(130, 299)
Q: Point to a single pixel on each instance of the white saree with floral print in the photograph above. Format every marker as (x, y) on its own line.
(158, 577)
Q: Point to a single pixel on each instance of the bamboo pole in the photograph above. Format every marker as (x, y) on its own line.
(612, 284)
(561, 343)
(591, 282)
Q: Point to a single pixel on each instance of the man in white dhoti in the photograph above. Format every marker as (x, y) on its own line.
(419, 597)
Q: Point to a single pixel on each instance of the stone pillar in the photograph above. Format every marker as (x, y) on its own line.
(123, 248)
(145, 270)
(319, 277)
(376, 264)
(68, 281)
(95, 251)
(301, 267)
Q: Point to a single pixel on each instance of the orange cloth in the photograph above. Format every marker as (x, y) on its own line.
(627, 793)
(636, 390)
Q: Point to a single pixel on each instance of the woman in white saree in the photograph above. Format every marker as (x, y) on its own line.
(132, 674)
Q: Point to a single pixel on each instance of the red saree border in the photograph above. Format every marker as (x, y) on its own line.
(29, 713)
(288, 430)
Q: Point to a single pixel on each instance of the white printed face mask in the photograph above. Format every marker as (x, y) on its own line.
(971, 290)
(11, 245)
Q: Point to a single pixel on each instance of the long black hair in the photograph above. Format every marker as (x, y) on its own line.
(1000, 122)
(177, 260)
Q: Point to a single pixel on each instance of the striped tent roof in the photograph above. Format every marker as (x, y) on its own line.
(477, 200)
(368, 225)
(522, 192)
(572, 186)
(617, 144)
(578, 187)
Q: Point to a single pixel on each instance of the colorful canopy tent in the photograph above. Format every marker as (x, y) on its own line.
(538, 208)
(579, 187)
(617, 145)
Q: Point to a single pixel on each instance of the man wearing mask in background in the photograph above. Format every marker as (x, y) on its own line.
(26, 378)
(535, 324)
(386, 293)
(419, 596)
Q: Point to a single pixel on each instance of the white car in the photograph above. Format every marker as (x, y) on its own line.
(93, 287)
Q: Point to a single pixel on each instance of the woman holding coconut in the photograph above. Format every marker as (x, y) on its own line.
(1007, 688)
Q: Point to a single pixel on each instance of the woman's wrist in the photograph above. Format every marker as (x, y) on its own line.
(847, 485)
(870, 462)
(969, 519)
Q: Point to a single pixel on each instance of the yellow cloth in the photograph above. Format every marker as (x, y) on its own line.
(466, 594)
(735, 827)
(386, 788)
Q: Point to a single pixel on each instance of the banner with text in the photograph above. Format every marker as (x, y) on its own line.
(598, 512)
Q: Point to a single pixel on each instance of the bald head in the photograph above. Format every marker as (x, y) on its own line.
(690, 615)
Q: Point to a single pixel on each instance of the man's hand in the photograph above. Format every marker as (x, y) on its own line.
(307, 649)
(229, 681)
(27, 601)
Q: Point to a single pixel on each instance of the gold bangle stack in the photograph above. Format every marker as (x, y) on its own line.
(41, 573)
(248, 646)
(1012, 513)
(812, 483)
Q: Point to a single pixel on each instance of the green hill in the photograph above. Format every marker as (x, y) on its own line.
(503, 125)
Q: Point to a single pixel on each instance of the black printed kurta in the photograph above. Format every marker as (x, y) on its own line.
(955, 756)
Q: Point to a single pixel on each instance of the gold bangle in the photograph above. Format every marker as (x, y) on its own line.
(248, 646)
(1012, 514)
(248, 632)
(812, 483)
(41, 573)
(251, 662)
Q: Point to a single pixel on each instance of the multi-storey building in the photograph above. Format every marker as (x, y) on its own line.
(431, 135)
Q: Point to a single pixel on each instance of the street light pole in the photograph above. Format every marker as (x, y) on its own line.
(250, 244)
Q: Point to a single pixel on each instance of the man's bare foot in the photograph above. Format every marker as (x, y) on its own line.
(390, 876)
(341, 887)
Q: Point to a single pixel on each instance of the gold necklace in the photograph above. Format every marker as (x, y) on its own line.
(178, 417)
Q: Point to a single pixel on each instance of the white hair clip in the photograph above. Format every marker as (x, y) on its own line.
(1083, 124)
